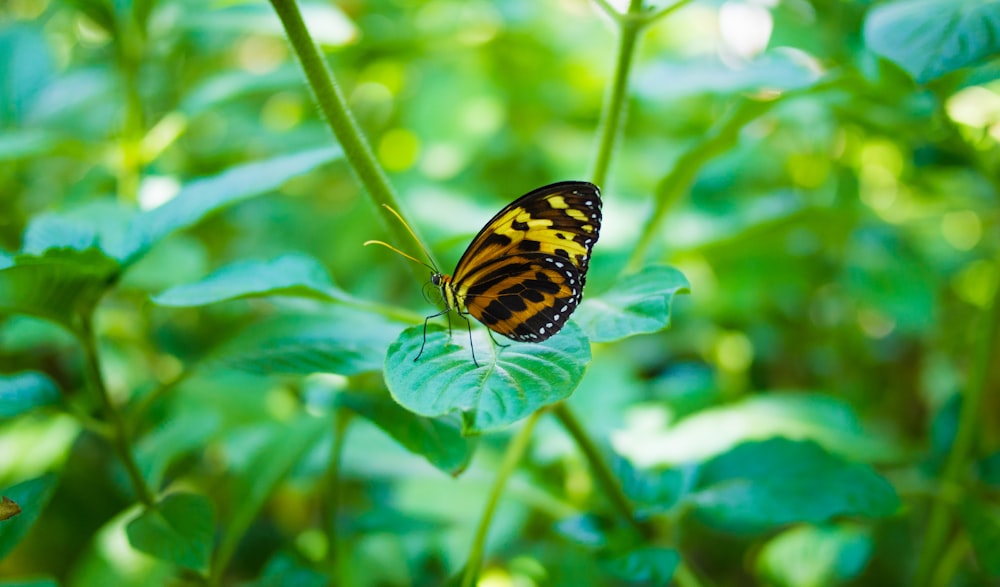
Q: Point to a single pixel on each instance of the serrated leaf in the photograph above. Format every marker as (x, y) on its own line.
(982, 524)
(932, 38)
(510, 383)
(647, 565)
(346, 341)
(439, 440)
(636, 304)
(202, 197)
(810, 555)
(61, 285)
(178, 529)
(23, 392)
(759, 486)
(31, 496)
(288, 275)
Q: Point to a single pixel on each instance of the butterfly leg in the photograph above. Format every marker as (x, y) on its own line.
(472, 347)
(495, 341)
(425, 331)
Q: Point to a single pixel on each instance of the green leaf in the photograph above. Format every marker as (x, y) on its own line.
(24, 392)
(818, 556)
(647, 565)
(97, 224)
(31, 496)
(510, 383)
(345, 341)
(288, 275)
(827, 420)
(178, 529)
(982, 524)
(989, 469)
(202, 197)
(636, 304)
(29, 583)
(776, 70)
(61, 285)
(932, 38)
(439, 440)
(179, 434)
(6, 260)
(759, 486)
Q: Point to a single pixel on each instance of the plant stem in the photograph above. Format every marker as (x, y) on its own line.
(613, 111)
(515, 450)
(598, 465)
(984, 355)
(331, 503)
(676, 183)
(331, 101)
(120, 437)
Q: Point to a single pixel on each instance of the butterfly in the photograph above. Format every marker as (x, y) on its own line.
(524, 272)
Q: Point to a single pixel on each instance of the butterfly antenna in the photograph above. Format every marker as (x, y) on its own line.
(412, 234)
(392, 248)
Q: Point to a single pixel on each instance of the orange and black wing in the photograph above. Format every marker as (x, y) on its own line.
(523, 274)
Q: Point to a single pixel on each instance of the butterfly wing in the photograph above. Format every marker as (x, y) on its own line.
(523, 274)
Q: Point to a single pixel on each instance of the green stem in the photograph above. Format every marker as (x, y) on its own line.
(331, 101)
(120, 437)
(515, 450)
(677, 183)
(984, 354)
(331, 504)
(613, 111)
(605, 477)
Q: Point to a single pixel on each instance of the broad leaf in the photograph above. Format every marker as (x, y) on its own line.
(439, 440)
(177, 435)
(24, 392)
(202, 197)
(982, 524)
(345, 341)
(636, 304)
(178, 529)
(760, 486)
(287, 275)
(283, 570)
(31, 496)
(810, 555)
(932, 38)
(510, 382)
(60, 286)
(99, 224)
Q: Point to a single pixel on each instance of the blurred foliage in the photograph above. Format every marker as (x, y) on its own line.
(182, 278)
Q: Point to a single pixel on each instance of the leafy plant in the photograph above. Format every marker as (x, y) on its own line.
(205, 378)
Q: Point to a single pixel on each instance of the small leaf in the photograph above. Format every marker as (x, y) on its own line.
(511, 382)
(98, 224)
(8, 508)
(24, 392)
(31, 496)
(439, 440)
(287, 275)
(61, 285)
(202, 197)
(759, 486)
(932, 38)
(178, 529)
(810, 555)
(346, 341)
(982, 524)
(636, 304)
(647, 565)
